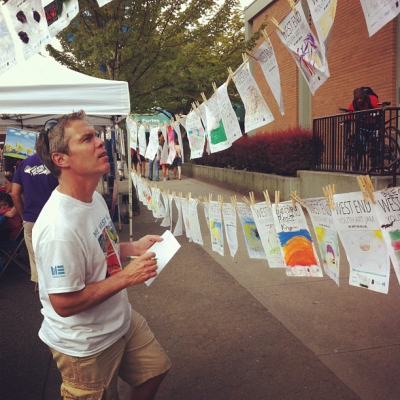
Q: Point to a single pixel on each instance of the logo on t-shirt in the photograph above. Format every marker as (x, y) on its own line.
(58, 271)
(36, 170)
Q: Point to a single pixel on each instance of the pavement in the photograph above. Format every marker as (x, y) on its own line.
(233, 328)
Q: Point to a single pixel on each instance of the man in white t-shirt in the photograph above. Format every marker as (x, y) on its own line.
(89, 325)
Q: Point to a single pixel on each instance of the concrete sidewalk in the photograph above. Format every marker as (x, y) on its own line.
(234, 329)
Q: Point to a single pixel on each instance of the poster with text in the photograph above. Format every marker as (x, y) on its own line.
(132, 130)
(304, 48)
(269, 65)
(326, 234)
(295, 239)
(361, 236)
(264, 220)
(257, 111)
(195, 134)
(378, 13)
(387, 208)
(252, 238)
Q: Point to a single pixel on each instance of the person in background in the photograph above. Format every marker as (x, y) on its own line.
(31, 188)
(13, 224)
(363, 101)
(134, 158)
(177, 163)
(89, 325)
(157, 158)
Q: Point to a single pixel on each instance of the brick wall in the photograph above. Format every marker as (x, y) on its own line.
(354, 59)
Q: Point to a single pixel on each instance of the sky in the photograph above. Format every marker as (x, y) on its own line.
(245, 3)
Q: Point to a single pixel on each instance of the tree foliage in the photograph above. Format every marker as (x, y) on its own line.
(169, 51)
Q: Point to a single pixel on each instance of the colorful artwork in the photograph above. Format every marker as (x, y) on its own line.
(304, 48)
(196, 135)
(252, 238)
(19, 143)
(296, 243)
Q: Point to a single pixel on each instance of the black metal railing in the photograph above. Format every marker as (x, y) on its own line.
(359, 142)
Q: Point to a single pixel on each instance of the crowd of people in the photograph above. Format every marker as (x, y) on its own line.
(160, 161)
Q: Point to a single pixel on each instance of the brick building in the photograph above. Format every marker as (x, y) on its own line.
(354, 59)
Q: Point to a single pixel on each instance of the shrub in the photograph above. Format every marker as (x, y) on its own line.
(279, 152)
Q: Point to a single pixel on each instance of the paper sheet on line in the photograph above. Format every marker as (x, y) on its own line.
(164, 250)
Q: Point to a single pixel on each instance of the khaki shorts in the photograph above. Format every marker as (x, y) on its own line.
(136, 357)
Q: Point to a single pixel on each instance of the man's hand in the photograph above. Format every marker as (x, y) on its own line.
(141, 269)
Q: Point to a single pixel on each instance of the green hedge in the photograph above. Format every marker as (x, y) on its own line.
(280, 152)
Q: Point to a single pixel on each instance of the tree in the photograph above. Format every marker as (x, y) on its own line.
(169, 51)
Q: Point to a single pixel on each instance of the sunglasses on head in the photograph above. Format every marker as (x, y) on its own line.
(48, 126)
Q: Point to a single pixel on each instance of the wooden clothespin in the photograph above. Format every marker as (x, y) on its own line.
(230, 72)
(188, 196)
(178, 118)
(361, 183)
(234, 202)
(329, 191)
(277, 195)
(267, 199)
(292, 6)
(370, 188)
(251, 195)
(264, 33)
(251, 55)
(203, 96)
(214, 86)
(246, 201)
(296, 199)
(220, 201)
(276, 23)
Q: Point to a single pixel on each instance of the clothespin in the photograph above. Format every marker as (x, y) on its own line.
(234, 202)
(246, 201)
(264, 33)
(230, 72)
(203, 96)
(277, 195)
(370, 188)
(276, 23)
(363, 188)
(177, 117)
(296, 199)
(329, 191)
(267, 199)
(214, 85)
(251, 55)
(220, 201)
(210, 198)
(292, 6)
(251, 195)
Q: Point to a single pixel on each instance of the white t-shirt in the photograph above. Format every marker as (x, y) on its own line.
(74, 242)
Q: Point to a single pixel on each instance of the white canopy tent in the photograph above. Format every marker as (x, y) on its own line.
(38, 89)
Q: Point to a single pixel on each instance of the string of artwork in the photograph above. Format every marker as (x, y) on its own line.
(367, 223)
